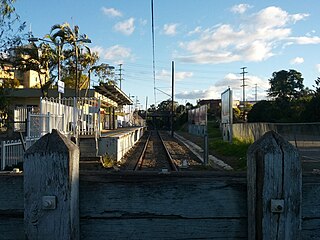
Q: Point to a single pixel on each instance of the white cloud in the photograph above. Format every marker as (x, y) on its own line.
(196, 30)
(195, 94)
(179, 76)
(240, 8)
(115, 53)
(98, 49)
(111, 12)
(143, 22)
(234, 82)
(126, 27)
(170, 29)
(257, 37)
(318, 67)
(297, 60)
(298, 17)
(305, 40)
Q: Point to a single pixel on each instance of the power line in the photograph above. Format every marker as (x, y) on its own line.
(153, 54)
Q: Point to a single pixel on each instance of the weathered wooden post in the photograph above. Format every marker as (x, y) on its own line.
(51, 188)
(274, 189)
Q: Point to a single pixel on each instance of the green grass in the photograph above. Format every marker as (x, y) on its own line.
(235, 152)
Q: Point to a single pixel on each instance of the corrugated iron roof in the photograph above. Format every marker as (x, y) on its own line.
(114, 93)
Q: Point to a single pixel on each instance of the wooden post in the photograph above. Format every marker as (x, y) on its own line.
(274, 189)
(51, 188)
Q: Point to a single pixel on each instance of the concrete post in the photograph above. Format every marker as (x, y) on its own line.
(51, 188)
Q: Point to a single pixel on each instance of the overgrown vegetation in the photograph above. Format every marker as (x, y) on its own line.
(108, 162)
(233, 153)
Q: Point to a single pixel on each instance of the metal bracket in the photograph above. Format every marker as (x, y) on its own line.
(277, 205)
(49, 202)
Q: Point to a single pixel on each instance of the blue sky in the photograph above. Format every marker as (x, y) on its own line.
(209, 41)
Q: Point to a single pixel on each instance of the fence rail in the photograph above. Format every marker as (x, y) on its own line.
(70, 116)
(12, 151)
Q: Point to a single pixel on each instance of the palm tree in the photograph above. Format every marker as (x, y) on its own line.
(64, 34)
(86, 59)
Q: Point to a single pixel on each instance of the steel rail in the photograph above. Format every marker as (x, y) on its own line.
(139, 163)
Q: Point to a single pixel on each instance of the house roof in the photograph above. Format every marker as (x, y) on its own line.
(114, 93)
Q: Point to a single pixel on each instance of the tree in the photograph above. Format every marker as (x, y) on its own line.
(11, 28)
(39, 59)
(104, 72)
(286, 85)
(264, 111)
(72, 55)
(311, 112)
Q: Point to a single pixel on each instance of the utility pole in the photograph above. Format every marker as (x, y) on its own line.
(172, 98)
(256, 92)
(146, 108)
(244, 92)
(243, 85)
(120, 74)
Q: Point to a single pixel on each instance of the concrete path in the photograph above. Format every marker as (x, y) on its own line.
(310, 159)
(198, 151)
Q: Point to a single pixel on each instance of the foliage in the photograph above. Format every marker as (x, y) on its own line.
(163, 113)
(165, 106)
(292, 103)
(311, 113)
(236, 150)
(107, 161)
(11, 28)
(74, 53)
(39, 59)
(104, 72)
(286, 85)
(263, 111)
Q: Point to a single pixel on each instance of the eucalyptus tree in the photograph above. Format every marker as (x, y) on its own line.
(286, 85)
(104, 72)
(11, 28)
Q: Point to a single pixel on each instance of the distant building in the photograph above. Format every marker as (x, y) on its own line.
(214, 105)
(6, 73)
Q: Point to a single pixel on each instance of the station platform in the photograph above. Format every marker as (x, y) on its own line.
(116, 143)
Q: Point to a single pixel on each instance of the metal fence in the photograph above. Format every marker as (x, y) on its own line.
(41, 124)
(12, 151)
(20, 117)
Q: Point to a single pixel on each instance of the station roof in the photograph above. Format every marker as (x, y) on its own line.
(114, 93)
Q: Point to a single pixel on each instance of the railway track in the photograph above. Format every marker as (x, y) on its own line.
(155, 155)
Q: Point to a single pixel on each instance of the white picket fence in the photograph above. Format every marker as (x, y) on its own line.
(79, 116)
(71, 116)
(12, 151)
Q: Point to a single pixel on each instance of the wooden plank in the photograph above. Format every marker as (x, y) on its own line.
(11, 191)
(162, 229)
(104, 215)
(164, 195)
(11, 228)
